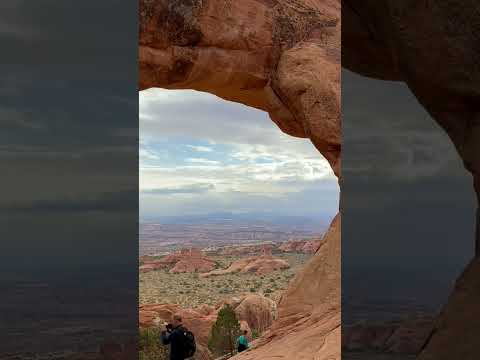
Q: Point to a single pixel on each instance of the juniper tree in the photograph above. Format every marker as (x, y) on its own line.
(225, 332)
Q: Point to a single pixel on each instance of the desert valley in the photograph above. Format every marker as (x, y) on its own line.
(249, 268)
(195, 269)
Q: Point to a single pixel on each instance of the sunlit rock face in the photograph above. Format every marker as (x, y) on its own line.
(433, 47)
(281, 56)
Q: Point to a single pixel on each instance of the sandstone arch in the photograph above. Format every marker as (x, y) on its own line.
(432, 46)
(281, 56)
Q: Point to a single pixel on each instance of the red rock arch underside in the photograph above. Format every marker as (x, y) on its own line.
(283, 57)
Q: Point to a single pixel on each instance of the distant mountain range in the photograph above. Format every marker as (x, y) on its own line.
(318, 223)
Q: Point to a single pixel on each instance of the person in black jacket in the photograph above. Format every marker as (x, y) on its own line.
(174, 336)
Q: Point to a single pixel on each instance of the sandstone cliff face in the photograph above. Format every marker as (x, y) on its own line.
(308, 324)
(281, 56)
(433, 47)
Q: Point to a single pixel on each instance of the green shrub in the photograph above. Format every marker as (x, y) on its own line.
(224, 332)
(150, 346)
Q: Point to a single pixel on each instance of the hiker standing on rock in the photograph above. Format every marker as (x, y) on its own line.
(242, 342)
(180, 339)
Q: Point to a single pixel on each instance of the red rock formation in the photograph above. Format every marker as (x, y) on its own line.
(205, 309)
(145, 259)
(198, 323)
(245, 250)
(303, 246)
(308, 322)
(293, 245)
(193, 265)
(259, 265)
(173, 258)
(151, 266)
(311, 246)
(185, 260)
(283, 57)
(148, 314)
(265, 265)
(257, 311)
(279, 56)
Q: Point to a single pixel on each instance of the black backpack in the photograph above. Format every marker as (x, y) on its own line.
(189, 345)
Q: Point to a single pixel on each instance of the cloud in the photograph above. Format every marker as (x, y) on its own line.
(118, 201)
(392, 136)
(202, 161)
(60, 150)
(406, 198)
(146, 155)
(319, 200)
(200, 148)
(190, 189)
(164, 114)
(238, 149)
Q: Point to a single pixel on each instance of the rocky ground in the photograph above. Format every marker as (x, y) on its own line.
(190, 290)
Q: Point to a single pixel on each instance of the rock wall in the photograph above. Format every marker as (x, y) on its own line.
(433, 47)
(308, 324)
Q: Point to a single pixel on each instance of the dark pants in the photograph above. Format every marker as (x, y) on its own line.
(241, 348)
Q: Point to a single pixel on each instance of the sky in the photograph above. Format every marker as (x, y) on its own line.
(69, 133)
(69, 167)
(201, 154)
(407, 198)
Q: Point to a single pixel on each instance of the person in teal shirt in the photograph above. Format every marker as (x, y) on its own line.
(242, 342)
